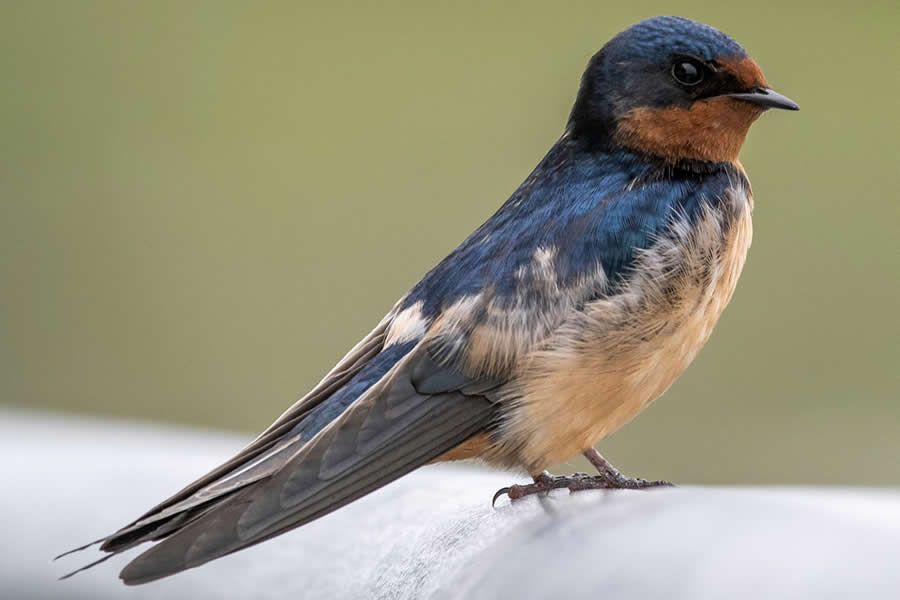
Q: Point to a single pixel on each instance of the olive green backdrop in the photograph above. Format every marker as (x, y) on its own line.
(204, 204)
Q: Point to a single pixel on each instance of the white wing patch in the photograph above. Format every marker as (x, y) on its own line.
(409, 324)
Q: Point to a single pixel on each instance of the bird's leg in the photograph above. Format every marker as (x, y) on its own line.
(608, 478)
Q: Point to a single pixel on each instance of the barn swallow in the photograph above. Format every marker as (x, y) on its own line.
(557, 321)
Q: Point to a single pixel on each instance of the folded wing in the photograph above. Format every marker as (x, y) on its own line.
(413, 413)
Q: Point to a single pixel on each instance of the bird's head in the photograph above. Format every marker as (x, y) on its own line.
(672, 88)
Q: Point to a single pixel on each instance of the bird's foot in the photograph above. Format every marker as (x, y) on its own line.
(615, 478)
(575, 483)
(608, 478)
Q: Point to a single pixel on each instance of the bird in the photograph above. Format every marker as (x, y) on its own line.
(563, 316)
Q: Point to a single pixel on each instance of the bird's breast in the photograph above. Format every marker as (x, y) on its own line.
(611, 359)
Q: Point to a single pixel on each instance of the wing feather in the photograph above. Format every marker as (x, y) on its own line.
(389, 431)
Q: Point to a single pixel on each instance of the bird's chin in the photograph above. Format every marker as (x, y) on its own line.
(710, 130)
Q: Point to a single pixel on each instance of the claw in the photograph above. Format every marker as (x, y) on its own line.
(499, 493)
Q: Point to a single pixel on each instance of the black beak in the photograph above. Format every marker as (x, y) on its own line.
(766, 98)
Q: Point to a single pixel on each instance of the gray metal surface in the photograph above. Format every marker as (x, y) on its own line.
(433, 534)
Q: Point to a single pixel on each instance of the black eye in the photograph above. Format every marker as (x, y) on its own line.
(687, 72)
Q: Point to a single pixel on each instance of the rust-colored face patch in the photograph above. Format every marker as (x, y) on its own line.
(713, 129)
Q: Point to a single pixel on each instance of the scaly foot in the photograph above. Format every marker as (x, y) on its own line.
(615, 478)
(608, 478)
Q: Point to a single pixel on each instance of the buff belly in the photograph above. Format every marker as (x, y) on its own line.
(618, 354)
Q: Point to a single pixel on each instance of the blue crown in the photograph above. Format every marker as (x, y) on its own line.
(658, 38)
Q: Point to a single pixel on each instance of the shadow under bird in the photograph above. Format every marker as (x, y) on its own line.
(557, 321)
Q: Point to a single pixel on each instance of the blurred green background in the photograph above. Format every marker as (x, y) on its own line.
(205, 204)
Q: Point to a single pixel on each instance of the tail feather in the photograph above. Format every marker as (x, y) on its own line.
(162, 522)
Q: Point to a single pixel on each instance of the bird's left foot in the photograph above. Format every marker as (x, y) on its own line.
(608, 478)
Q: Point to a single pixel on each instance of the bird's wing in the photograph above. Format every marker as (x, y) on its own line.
(443, 314)
(463, 326)
(390, 429)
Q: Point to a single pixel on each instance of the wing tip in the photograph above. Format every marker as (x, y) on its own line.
(149, 566)
(132, 576)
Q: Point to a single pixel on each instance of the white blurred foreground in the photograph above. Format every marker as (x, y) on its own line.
(433, 534)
